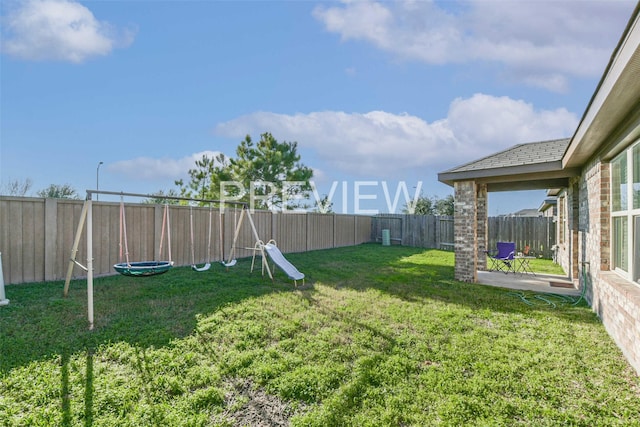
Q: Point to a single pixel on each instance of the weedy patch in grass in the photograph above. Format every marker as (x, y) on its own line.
(379, 336)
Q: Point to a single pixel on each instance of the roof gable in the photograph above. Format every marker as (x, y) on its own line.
(535, 165)
(521, 154)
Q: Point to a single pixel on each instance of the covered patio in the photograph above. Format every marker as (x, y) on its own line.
(543, 283)
(532, 166)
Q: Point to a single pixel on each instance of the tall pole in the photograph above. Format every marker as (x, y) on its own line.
(90, 264)
(98, 180)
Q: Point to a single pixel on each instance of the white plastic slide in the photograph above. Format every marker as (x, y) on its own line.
(279, 259)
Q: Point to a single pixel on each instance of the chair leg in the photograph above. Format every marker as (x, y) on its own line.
(494, 264)
(506, 266)
(510, 267)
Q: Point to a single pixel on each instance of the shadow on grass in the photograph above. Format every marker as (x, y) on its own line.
(153, 311)
(65, 392)
(143, 311)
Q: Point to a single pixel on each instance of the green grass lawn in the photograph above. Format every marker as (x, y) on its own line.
(378, 336)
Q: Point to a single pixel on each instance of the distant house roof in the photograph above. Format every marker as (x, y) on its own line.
(535, 165)
(548, 203)
(526, 212)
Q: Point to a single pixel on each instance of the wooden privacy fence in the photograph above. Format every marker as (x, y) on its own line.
(422, 231)
(36, 235)
(539, 233)
(428, 231)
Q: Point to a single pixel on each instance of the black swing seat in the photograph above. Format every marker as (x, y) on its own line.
(143, 268)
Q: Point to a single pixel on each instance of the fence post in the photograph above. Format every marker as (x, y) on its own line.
(50, 238)
(3, 299)
(306, 228)
(333, 231)
(355, 229)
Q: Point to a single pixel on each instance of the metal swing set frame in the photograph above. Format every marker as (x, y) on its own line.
(86, 217)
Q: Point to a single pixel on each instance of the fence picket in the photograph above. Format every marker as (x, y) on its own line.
(430, 231)
(27, 228)
(36, 242)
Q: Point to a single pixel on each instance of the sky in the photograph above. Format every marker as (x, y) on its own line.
(379, 95)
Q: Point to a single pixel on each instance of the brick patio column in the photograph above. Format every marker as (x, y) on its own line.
(465, 231)
(482, 225)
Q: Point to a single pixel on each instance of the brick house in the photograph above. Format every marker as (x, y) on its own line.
(595, 175)
(548, 207)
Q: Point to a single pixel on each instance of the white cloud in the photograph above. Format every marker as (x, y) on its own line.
(484, 124)
(150, 169)
(539, 43)
(382, 144)
(351, 71)
(60, 30)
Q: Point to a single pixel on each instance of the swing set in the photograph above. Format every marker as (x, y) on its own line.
(143, 268)
(150, 268)
(229, 262)
(207, 265)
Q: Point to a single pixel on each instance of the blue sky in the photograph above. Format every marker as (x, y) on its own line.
(371, 91)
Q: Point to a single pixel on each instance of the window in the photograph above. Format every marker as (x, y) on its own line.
(636, 176)
(562, 219)
(636, 250)
(625, 212)
(620, 233)
(619, 182)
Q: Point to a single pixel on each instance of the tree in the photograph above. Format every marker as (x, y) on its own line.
(56, 191)
(268, 169)
(16, 187)
(423, 206)
(444, 207)
(324, 205)
(206, 178)
(267, 174)
(426, 205)
(159, 198)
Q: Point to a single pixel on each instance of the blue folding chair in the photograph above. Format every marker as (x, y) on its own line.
(502, 259)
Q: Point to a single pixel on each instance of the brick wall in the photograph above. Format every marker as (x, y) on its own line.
(465, 231)
(594, 247)
(570, 217)
(482, 225)
(573, 211)
(564, 247)
(614, 299)
(617, 303)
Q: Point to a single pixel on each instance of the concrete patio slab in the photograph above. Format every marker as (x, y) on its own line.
(528, 282)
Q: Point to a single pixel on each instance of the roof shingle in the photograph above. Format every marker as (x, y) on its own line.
(521, 154)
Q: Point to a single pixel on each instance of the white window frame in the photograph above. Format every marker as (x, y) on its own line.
(633, 263)
(562, 219)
